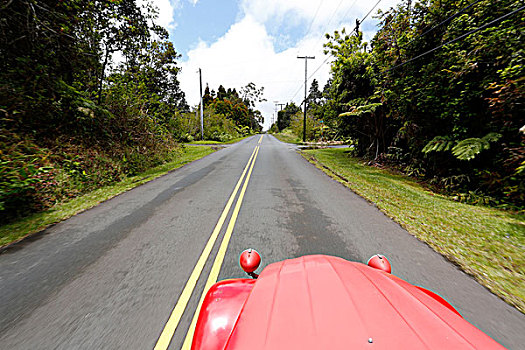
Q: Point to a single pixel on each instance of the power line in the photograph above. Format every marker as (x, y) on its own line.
(333, 14)
(315, 71)
(369, 12)
(458, 38)
(313, 19)
(348, 11)
(442, 22)
(353, 30)
(311, 75)
(329, 22)
(300, 87)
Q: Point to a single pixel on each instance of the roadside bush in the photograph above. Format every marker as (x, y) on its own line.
(24, 167)
(313, 127)
(217, 127)
(36, 176)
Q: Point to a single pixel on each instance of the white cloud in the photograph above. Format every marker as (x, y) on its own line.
(319, 16)
(247, 52)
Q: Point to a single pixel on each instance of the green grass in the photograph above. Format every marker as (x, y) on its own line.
(487, 243)
(205, 142)
(211, 142)
(289, 137)
(39, 221)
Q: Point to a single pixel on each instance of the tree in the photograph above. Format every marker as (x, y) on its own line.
(70, 116)
(117, 26)
(425, 96)
(238, 108)
(251, 95)
(221, 93)
(39, 53)
(315, 96)
(357, 112)
(285, 115)
(207, 98)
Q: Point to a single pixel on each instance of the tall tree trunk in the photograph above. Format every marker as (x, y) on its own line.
(102, 75)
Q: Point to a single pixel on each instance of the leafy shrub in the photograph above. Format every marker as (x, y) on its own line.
(313, 130)
(35, 178)
(24, 167)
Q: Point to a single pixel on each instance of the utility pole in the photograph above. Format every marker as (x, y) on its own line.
(306, 58)
(275, 115)
(202, 113)
(276, 112)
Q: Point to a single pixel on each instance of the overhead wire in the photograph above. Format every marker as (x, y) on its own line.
(425, 33)
(333, 14)
(369, 12)
(313, 19)
(315, 71)
(329, 21)
(458, 38)
(441, 23)
(328, 57)
(300, 88)
(311, 75)
(348, 11)
(331, 18)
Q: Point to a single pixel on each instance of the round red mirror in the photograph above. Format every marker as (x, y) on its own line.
(250, 260)
(380, 262)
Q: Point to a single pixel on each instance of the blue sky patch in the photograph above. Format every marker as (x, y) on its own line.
(208, 20)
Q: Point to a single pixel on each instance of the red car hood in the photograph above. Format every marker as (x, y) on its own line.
(322, 302)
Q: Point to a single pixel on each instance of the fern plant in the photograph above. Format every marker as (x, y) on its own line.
(358, 111)
(466, 149)
(469, 148)
(438, 144)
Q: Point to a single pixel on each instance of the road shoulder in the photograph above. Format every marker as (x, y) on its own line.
(487, 243)
(33, 225)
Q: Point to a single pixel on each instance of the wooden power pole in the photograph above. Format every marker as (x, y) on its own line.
(306, 58)
(202, 112)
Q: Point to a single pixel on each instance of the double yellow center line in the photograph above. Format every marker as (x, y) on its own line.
(169, 329)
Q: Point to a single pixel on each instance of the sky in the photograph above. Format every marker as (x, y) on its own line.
(236, 42)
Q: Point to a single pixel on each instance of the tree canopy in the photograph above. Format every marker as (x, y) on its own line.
(89, 93)
(437, 91)
(240, 108)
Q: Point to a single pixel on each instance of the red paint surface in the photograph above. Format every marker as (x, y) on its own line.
(438, 298)
(380, 262)
(219, 312)
(321, 302)
(250, 260)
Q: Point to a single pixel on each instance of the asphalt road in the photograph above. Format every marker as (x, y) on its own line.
(109, 278)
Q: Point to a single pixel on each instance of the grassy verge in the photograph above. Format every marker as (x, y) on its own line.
(37, 222)
(288, 137)
(487, 243)
(210, 142)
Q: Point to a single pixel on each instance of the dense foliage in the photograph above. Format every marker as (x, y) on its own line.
(436, 96)
(235, 106)
(227, 115)
(87, 89)
(284, 116)
(89, 94)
